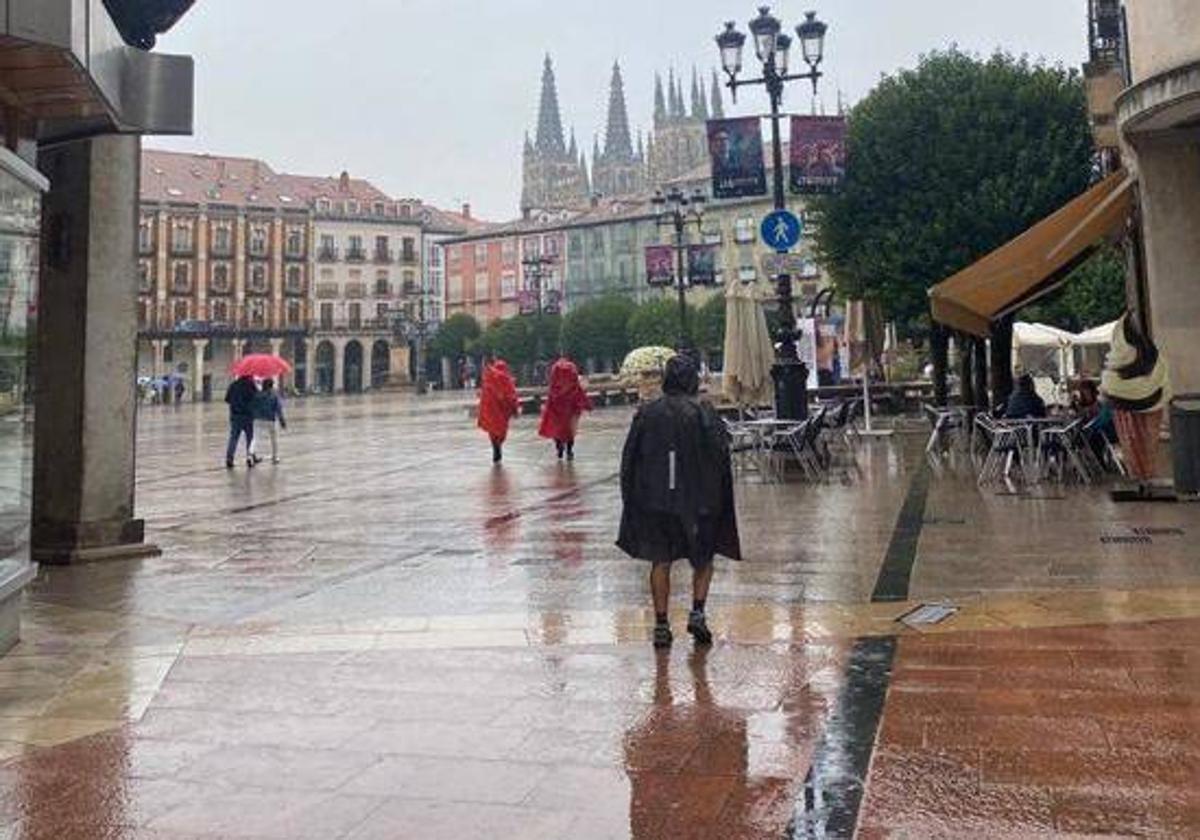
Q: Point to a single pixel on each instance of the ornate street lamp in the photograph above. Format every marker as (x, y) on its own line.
(772, 47)
(677, 211)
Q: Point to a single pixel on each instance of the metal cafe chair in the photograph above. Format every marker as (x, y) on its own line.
(1062, 450)
(1007, 448)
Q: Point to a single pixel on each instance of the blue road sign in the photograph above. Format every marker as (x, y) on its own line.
(781, 230)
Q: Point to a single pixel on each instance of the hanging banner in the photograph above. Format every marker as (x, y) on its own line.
(818, 154)
(738, 166)
(660, 265)
(702, 265)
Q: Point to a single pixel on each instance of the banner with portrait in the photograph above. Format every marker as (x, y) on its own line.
(738, 166)
(702, 265)
(660, 265)
(817, 154)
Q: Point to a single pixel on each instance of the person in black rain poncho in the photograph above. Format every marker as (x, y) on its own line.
(677, 491)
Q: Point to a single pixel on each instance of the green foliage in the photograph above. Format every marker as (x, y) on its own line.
(597, 330)
(454, 337)
(946, 163)
(516, 339)
(656, 323)
(710, 326)
(1094, 294)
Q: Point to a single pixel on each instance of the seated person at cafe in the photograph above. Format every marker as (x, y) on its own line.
(1024, 402)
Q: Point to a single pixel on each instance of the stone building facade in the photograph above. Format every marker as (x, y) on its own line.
(223, 266)
(234, 257)
(1158, 118)
(679, 143)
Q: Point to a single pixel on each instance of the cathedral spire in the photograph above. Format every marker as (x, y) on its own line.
(699, 108)
(618, 145)
(718, 108)
(680, 104)
(572, 149)
(549, 128)
(660, 101)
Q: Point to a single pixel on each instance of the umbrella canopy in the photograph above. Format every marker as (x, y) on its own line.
(749, 350)
(261, 366)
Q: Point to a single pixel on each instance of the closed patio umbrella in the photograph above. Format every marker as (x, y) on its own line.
(749, 350)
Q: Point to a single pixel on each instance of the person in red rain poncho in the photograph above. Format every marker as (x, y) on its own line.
(565, 402)
(498, 403)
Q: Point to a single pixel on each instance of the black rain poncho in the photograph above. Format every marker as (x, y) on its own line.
(676, 478)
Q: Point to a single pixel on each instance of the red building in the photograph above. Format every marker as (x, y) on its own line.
(484, 271)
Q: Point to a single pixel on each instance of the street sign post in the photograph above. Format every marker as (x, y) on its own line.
(781, 230)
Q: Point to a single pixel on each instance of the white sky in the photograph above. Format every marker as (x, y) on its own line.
(431, 98)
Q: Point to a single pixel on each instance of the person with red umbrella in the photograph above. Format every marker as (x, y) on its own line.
(565, 403)
(498, 403)
(240, 398)
(268, 417)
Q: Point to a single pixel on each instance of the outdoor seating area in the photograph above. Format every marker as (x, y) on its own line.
(1060, 449)
(771, 449)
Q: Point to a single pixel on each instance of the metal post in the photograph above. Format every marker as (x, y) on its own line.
(681, 284)
(790, 374)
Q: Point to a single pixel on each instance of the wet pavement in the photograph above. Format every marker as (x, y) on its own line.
(384, 636)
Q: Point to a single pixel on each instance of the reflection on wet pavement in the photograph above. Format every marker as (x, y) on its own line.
(385, 636)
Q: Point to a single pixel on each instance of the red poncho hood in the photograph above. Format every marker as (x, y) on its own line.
(498, 402)
(565, 402)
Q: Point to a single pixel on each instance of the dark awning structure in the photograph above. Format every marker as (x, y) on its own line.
(1036, 262)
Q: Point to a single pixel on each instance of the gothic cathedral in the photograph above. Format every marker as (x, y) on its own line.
(556, 174)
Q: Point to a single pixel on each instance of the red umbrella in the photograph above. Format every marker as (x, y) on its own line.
(261, 366)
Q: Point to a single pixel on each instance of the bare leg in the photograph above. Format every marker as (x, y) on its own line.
(701, 578)
(660, 586)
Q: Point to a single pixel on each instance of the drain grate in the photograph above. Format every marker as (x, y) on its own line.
(927, 614)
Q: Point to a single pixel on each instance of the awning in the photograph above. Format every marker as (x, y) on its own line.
(1034, 263)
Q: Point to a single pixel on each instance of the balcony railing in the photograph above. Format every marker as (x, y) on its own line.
(383, 290)
(294, 254)
(411, 288)
(294, 288)
(355, 255)
(257, 252)
(408, 257)
(356, 290)
(183, 249)
(221, 249)
(327, 253)
(384, 256)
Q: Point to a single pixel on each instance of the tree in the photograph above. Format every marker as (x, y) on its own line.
(656, 323)
(598, 330)
(1094, 294)
(710, 326)
(454, 337)
(946, 163)
(515, 339)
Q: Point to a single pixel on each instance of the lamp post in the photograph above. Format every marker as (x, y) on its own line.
(772, 46)
(678, 210)
(536, 268)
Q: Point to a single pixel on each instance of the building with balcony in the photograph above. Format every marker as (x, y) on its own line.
(367, 267)
(223, 267)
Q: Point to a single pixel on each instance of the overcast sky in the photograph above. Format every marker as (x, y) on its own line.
(431, 98)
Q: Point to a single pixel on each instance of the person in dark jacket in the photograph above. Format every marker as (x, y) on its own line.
(677, 494)
(1024, 402)
(268, 410)
(240, 396)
